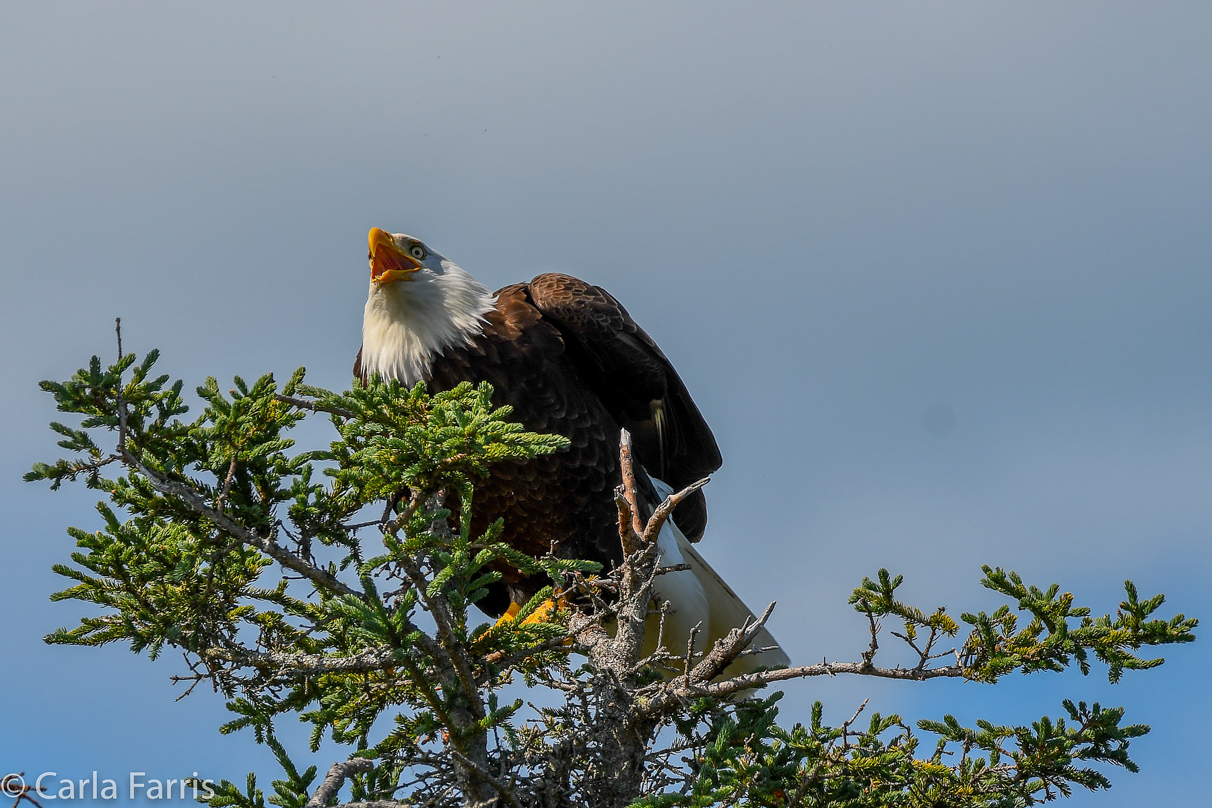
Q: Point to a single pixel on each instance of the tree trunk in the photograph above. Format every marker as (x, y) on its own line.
(476, 790)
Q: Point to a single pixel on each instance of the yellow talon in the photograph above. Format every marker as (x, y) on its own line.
(546, 609)
(540, 615)
(510, 613)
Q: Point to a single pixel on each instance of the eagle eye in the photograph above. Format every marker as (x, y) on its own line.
(417, 252)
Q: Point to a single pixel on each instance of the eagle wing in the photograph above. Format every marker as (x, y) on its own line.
(637, 385)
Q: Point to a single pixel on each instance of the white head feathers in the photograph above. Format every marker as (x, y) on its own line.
(408, 322)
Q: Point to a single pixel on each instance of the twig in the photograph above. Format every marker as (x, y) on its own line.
(665, 509)
(757, 679)
(694, 632)
(871, 651)
(356, 526)
(231, 473)
(193, 680)
(312, 406)
(846, 724)
(627, 471)
(22, 791)
(729, 648)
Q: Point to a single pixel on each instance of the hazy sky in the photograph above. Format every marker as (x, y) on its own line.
(938, 275)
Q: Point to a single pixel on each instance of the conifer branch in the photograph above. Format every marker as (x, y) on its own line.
(649, 728)
(290, 666)
(338, 773)
(189, 497)
(315, 406)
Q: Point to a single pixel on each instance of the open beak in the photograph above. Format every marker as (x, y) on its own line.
(388, 263)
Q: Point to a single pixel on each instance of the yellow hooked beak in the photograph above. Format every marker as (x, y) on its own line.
(388, 263)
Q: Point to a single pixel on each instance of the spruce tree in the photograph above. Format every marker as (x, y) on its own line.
(337, 587)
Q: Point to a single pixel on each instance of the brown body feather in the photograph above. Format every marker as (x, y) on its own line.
(570, 360)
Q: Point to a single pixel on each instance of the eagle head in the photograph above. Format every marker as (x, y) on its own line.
(420, 304)
(395, 257)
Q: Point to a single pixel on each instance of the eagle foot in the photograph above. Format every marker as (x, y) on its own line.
(510, 614)
(545, 611)
(540, 615)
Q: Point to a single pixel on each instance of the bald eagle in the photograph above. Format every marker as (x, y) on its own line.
(570, 360)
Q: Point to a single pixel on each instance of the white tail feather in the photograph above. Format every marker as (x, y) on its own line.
(728, 611)
(700, 598)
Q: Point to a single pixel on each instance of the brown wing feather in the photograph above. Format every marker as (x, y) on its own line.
(636, 383)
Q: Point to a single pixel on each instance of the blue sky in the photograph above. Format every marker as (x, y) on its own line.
(938, 276)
